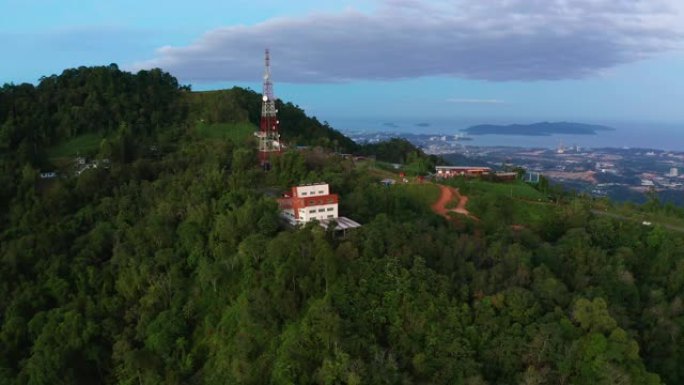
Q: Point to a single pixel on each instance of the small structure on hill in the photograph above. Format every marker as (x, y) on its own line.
(83, 164)
(342, 224)
(531, 177)
(504, 176)
(311, 202)
(268, 134)
(452, 171)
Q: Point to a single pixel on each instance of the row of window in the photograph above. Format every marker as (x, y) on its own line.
(304, 193)
(320, 202)
(329, 216)
(320, 210)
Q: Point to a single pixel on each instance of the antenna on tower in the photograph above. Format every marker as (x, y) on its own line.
(268, 134)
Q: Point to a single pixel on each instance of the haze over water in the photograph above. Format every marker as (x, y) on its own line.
(633, 135)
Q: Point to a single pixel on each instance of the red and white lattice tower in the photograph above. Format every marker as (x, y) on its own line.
(269, 138)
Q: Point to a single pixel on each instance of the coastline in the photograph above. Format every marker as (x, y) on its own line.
(669, 137)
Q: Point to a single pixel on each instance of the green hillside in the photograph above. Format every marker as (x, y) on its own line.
(236, 132)
(169, 263)
(72, 112)
(84, 144)
(239, 105)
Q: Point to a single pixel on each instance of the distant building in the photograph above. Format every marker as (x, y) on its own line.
(82, 164)
(674, 172)
(48, 175)
(452, 171)
(531, 177)
(506, 176)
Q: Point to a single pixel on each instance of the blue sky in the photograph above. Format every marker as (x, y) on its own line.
(494, 61)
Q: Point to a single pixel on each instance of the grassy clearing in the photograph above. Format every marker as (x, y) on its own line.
(515, 190)
(426, 193)
(529, 213)
(636, 215)
(388, 167)
(520, 212)
(85, 144)
(373, 168)
(237, 132)
(517, 201)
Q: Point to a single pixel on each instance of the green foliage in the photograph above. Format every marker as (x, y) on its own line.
(514, 190)
(395, 150)
(70, 113)
(237, 132)
(427, 193)
(215, 110)
(511, 203)
(224, 106)
(402, 151)
(85, 144)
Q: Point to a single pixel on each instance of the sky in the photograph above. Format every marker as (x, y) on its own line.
(493, 61)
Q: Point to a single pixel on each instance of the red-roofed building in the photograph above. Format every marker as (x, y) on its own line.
(309, 202)
(451, 171)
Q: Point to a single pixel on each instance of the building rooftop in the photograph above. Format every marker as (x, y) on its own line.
(312, 184)
(343, 223)
(462, 167)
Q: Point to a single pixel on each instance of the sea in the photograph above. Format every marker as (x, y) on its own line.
(660, 136)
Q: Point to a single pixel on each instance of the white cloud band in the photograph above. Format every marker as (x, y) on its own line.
(495, 40)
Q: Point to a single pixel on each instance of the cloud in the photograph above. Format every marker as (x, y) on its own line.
(497, 40)
(475, 101)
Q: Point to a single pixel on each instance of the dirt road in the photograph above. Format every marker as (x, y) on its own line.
(446, 196)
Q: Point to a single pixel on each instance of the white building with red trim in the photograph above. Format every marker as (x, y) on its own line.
(308, 202)
(314, 202)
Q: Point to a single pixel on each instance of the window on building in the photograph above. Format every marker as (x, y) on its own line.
(312, 211)
(320, 192)
(321, 210)
(330, 216)
(330, 209)
(303, 193)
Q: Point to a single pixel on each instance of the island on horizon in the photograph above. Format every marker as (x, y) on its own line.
(537, 129)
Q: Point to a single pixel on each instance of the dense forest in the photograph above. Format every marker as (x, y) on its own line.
(88, 99)
(172, 266)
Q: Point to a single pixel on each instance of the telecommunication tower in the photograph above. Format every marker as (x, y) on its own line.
(269, 138)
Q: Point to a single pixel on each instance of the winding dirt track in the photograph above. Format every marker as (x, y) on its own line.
(447, 194)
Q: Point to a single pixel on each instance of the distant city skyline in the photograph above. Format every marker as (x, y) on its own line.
(495, 61)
